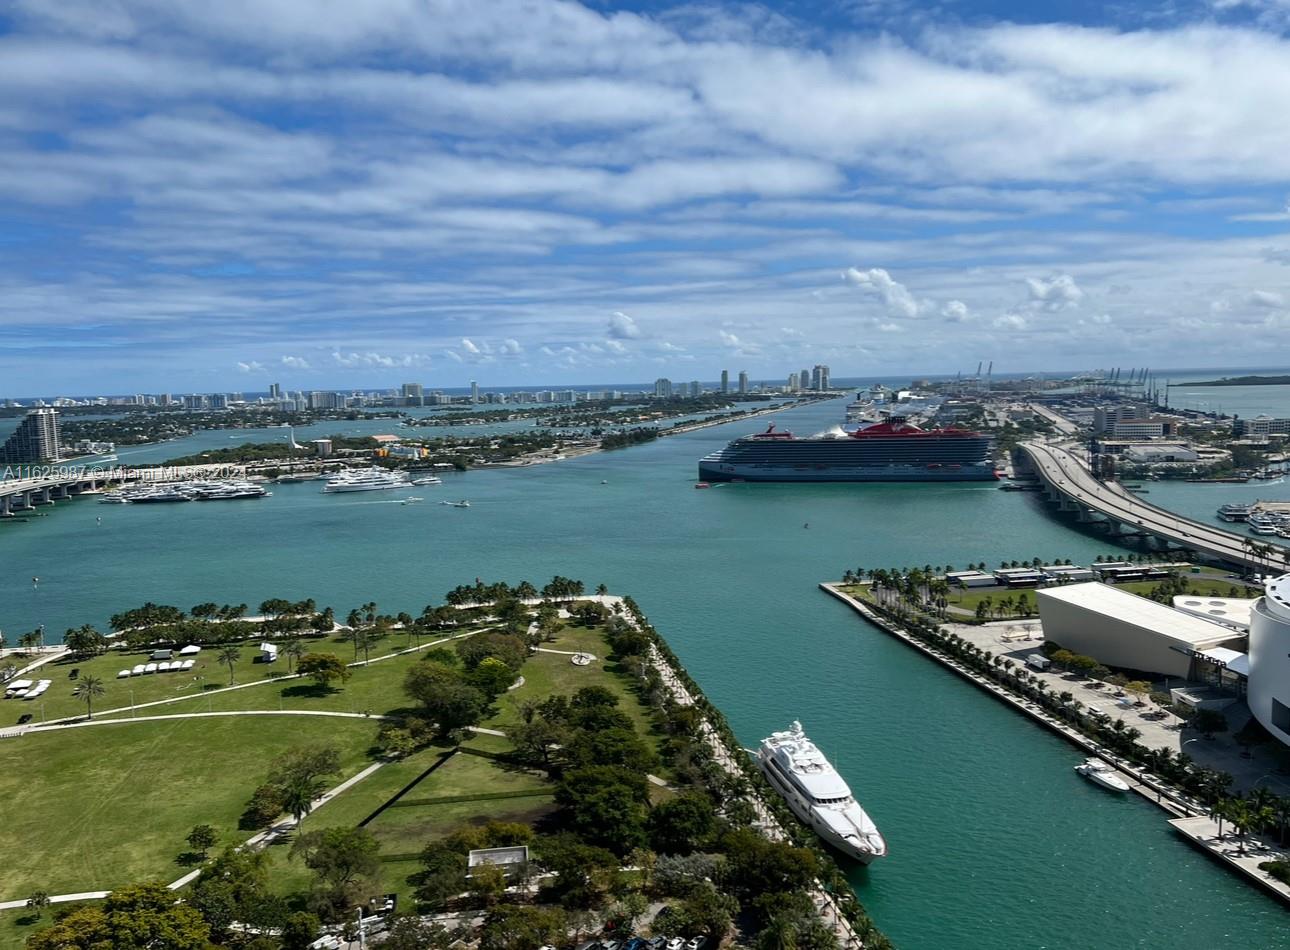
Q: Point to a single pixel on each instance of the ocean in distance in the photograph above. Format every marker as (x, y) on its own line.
(995, 842)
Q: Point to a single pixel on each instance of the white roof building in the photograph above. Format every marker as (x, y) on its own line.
(1122, 630)
(1229, 611)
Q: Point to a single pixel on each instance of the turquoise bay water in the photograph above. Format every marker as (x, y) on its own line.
(995, 842)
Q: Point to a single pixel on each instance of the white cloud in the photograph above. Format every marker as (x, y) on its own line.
(511, 347)
(729, 339)
(250, 367)
(1059, 293)
(469, 346)
(1102, 319)
(622, 327)
(895, 296)
(1267, 299)
(1010, 321)
(955, 311)
(295, 362)
(372, 359)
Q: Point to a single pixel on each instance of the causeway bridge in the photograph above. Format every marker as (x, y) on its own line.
(61, 483)
(1069, 482)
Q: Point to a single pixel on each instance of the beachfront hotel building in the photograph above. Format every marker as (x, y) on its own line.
(35, 440)
(1268, 689)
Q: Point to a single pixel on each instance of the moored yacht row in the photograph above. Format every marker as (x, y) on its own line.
(1259, 519)
(204, 490)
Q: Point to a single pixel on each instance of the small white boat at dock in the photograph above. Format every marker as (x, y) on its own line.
(1102, 773)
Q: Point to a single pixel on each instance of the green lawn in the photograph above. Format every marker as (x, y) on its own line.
(547, 674)
(95, 807)
(407, 828)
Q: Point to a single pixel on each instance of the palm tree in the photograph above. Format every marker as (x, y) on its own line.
(229, 656)
(88, 689)
(293, 650)
(298, 798)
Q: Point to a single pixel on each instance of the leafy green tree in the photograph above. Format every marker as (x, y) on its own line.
(89, 688)
(409, 932)
(682, 824)
(133, 917)
(300, 930)
(442, 875)
(510, 927)
(445, 698)
(607, 805)
(346, 862)
(234, 889)
(201, 839)
(323, 668)
(491, 677)
(621, 747)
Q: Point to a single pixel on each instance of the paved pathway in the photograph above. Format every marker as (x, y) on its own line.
(119, 711)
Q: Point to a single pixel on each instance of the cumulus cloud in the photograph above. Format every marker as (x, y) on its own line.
(469, 346)
(1267, 299)
(511, 347)
(1010, 321)
(894, 295)
(295, 362)
(954, 311)
(622, 327)
(250, 367)
(379, 360)
(1058, 293)
(729, 339)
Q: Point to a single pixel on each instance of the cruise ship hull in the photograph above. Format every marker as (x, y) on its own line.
(808, 813)
(892, 451)
(718, 471)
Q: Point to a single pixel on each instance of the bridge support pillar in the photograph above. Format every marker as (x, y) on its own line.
(5, 511)
(44, 497)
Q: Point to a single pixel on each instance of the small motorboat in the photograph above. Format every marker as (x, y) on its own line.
(456, 504)
(702, 485)
(1102, 773)
(428, 480)
(411, 500)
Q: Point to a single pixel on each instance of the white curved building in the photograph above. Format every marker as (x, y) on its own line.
(1269, 683)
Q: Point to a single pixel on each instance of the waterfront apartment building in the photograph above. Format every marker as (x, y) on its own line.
(662, 388)
(474, 391)
(725, 381)
(820, 377)
(275, 392)
(743, 381)
(34, 441)
(1261, 427)
(1105, 418)
(804, 379)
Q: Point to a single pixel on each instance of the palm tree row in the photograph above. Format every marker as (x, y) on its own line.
(1174, 769)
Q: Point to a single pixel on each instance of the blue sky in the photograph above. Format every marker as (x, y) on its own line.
(215, 196)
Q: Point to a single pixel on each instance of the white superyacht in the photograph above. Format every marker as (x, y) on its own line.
(369, 479)
(818, 795)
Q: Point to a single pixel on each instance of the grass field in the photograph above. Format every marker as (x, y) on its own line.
(207, 674)
(96, 807)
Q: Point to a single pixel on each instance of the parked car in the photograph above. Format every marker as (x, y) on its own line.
(24, 719)
(676, 943)
(696, 943)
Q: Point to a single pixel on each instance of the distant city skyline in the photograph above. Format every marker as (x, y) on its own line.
(516, 192)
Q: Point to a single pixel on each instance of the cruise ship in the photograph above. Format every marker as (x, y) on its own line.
(891, 451)
(818, 795)
(368, 479)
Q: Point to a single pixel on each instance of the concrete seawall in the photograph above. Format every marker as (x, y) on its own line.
(1189, 818)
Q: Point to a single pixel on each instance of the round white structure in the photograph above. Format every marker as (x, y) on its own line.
(1269, 682)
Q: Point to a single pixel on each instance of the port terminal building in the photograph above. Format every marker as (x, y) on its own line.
(1124, 630)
